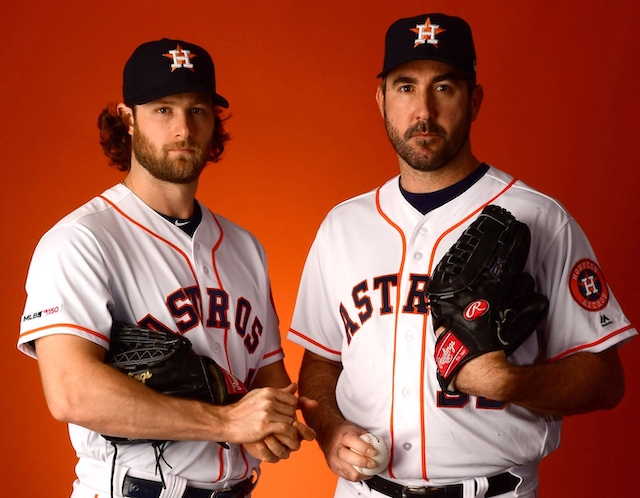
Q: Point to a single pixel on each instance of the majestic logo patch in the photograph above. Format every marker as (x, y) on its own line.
(588, 286)
(180, 58)
(605, 320)
(475, 310)
(427, 33)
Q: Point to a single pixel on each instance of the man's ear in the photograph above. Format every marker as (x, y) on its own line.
(476, 101)
(380, 100)
(128, 118)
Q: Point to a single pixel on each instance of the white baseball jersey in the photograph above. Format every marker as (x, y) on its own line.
(362, 302)
(116, 258)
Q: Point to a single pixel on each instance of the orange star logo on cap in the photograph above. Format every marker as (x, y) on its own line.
(180, 58)
(427, 33)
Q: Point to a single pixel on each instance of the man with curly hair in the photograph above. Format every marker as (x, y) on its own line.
(146, 252)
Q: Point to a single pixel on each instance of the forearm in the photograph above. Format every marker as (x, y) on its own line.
(273, 375)
(83, 390)
(318, 379)
(336, 436)
(579, 383)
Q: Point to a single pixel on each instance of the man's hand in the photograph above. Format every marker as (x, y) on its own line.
(336, 436)
(276, 447)
(262, 412)
(337, 451)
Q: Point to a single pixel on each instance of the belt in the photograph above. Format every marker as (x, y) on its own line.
(142, 488)
(502, 483)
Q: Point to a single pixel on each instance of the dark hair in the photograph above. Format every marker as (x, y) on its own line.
(116, 141)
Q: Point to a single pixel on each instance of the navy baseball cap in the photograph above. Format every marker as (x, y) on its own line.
(166, 67)
(437, 37)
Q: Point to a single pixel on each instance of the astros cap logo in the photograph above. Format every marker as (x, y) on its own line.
(427, 33)
(146, 78)
(435, 36)
(180, 58)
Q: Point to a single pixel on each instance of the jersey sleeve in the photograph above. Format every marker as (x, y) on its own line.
(67, 289)
(314, 324)
(583, 313)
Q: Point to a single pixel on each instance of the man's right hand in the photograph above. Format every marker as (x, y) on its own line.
(339, 455)
(260, 413)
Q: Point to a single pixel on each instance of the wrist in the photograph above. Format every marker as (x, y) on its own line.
(490, 376)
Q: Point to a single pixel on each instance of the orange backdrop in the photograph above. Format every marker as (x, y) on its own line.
(561, 108)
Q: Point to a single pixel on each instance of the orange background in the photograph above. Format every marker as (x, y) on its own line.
(562, 100)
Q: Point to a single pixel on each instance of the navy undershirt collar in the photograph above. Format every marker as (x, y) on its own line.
(187, 225)
(432, 200)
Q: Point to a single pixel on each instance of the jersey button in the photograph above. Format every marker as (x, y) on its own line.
(196, 246)
(216, 348)
(205, 270)
(418, 255)
(406, 392)
(407, 446)
(423, 230)
(410, 336)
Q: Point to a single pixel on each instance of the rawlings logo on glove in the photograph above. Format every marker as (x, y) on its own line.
(480, 294)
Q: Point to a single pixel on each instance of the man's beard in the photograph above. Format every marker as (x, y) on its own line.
(182, 169)
(423, 159)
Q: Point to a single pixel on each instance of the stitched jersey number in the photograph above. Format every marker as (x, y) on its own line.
(459, 400)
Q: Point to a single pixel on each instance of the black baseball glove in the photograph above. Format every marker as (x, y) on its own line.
(481, 295)
(167, 363)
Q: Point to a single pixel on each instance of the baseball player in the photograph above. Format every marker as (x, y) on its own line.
(146, 252)
(365, 322)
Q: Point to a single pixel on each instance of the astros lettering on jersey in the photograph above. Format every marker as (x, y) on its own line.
(219, 298)
(370, 313)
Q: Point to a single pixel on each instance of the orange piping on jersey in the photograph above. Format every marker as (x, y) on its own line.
(423, 436)
(220, 455)
(395, 331)
(272, 353)
(315, 343)
(586, 346)
(215, 270)
(139, 225)
(246, 463)
(444, 234)
(66, 325)
(215, 248)
(423, 429)
(221, 460)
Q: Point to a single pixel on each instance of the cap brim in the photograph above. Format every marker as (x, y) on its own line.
(466, 73)
(158, 93)
(220, 101)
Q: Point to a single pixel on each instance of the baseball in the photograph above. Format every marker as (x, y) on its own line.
(381, 457)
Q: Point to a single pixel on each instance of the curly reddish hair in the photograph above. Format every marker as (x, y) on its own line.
(116, 141)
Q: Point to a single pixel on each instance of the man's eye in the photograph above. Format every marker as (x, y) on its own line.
(442, 88)
(163, 110)
(405, 88)
(197, 110)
